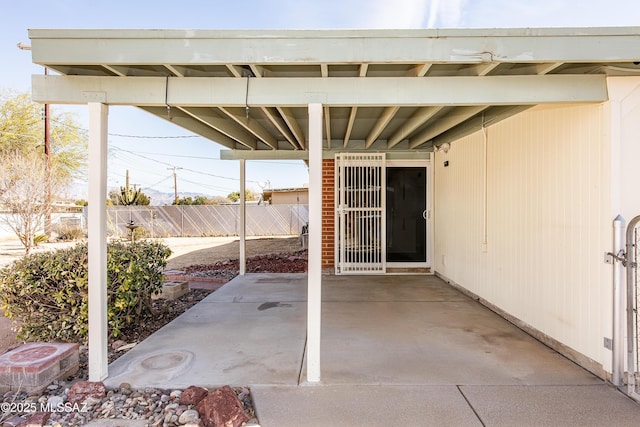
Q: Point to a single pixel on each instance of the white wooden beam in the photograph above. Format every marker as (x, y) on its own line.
(221, 124)
(180, 118)
(292, 123)
(174, 70)
(333, 91)
(488, 118)
(115, 70)
(547, 68)
(125, 47)
(485, 69)
(327, 125)
(97, 242)
(381, 124)
(276, 120)
(326, 154)
(314, 276)
(421, 70)
(240, 117)
(352, 120)
(257, 70)
(264, 154)
(421, 116)
(454, 118)
(235, 71)
(324, 70)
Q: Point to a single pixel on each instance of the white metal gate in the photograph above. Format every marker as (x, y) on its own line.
(360, 213)
(633, 304)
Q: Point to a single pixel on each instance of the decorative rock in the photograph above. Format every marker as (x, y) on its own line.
(221, 408)
(86, 389)
(37, 419)
(13, 421)
(193, 395)
(189, 417)
(171, 407)
(117, 344)
(55, 401)
(91, 401)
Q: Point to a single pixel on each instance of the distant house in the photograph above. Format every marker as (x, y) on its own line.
(286, 196)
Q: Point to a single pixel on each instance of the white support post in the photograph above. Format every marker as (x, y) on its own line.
(97, 246)
(314, 277)
(243, 219)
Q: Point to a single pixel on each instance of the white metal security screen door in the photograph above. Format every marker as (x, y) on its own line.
(360, 212)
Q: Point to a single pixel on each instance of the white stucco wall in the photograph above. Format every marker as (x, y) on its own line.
(623, 112)
(547, 224)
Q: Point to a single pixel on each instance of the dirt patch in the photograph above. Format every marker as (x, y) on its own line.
(220, 250)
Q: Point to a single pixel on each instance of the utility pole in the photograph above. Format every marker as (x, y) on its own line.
(175, 183)
(47, 154)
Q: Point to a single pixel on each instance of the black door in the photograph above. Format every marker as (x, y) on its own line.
(405, 212)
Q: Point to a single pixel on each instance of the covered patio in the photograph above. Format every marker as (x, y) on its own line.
(413, 348)
(526, 137)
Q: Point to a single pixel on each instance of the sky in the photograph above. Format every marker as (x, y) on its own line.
(149, 147)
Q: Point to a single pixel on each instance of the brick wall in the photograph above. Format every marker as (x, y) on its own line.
(328, 213)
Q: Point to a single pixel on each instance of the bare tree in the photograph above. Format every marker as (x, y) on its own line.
(24, 182)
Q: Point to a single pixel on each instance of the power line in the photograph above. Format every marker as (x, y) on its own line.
(167, 137)
(211, 187)
(157, 183)
(186, 169)
(130, 136)
(271, 162)
(174, 155)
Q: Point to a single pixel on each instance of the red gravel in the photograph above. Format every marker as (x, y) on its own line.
(293, 262)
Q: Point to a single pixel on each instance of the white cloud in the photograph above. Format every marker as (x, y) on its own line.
(445, 13)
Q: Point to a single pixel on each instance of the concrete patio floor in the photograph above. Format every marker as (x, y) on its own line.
(395, 350)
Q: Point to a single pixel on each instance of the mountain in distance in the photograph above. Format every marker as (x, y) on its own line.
(161, 199)
(78, 190)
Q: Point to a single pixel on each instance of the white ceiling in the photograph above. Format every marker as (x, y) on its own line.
(381, 90)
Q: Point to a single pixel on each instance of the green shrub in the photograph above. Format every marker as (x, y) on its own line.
(140, 233)
(70, 233)
(39, 238)
(46, 293)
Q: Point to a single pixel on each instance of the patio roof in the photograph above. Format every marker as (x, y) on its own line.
(380, 89)
(294, 93)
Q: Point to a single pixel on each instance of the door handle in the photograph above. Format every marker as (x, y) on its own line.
(425, 214)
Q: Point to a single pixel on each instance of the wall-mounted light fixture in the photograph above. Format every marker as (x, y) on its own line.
(442, 148)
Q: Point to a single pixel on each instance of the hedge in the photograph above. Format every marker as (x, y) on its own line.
(46, 293)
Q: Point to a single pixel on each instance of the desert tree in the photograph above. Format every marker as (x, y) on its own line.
(29, 180)
(24, 185)
(22, 131)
